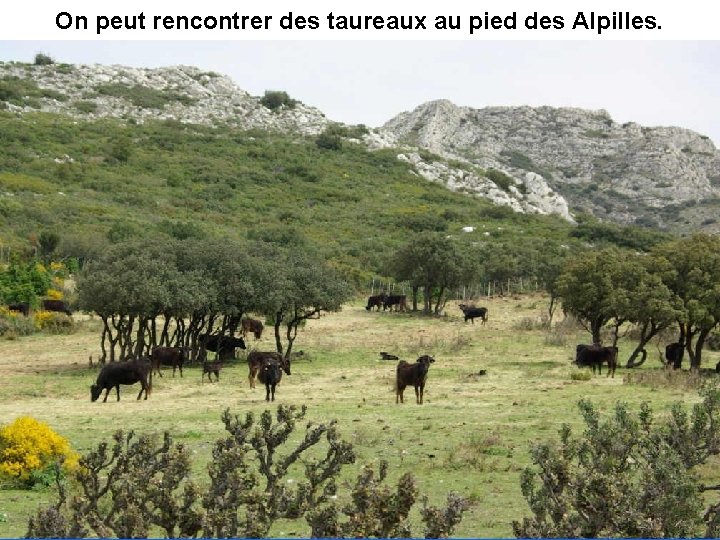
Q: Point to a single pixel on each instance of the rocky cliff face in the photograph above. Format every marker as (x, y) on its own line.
(181, 93)
(628, 173)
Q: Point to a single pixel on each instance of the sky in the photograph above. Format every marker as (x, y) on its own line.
(653, 83)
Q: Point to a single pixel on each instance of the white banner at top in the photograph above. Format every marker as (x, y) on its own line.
(366, 20)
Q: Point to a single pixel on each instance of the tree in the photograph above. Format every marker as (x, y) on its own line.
(653, 307)
(48, 242)
(629, 475)
(593, 287)
(694, 276)
(433, 262)
(303, 286)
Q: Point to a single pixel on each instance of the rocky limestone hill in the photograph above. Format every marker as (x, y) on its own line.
(538, 160)
(183, 93)
(661, 176)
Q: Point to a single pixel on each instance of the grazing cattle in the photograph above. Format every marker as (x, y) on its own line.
(397, 300)
(375, 301)
(224, 346)
(674, 355)
(20, 307)
(270, 374)
(412, 374)
(117, 373)
(595, 355)
(56, 305)
(252, 325)
(387, 356)
(169, 356)
(471, 312)
(210, 368)
(257, 358)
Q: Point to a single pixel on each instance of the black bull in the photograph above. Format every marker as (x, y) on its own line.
(595, 356)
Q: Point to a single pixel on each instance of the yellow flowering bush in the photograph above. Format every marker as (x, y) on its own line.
(28, 447)
(53, 322)
(54, 294)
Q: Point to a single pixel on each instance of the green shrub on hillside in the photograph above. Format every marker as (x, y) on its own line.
(275, 99)
(43, 60)
(500, 179)
(143, 96)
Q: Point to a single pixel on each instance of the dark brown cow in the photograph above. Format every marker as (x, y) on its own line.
(224, 346)
(256, 359)
(595, 356)
(210, 368)
(270, 374)
(375, 301)
(117, 373)
(169, 356)
(397, 300)
(56, 305)
(252, 325)
(412, 374)
(471, 312)
(20, 307)
(387, 356)
(674, 355)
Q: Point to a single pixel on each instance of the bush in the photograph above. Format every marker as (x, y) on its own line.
(28, 448)
(276, 99)
(135, 486)
(85, 106)
(13, 325)
(43, 60)
(329, 141)
(500, 179)
(53, 322)
(628, 475)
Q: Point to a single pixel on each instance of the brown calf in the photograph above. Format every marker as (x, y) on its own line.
(412, 374)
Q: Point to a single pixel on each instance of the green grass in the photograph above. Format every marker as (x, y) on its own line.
(472, 435)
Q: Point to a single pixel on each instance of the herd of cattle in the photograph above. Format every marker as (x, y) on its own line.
(268, 366)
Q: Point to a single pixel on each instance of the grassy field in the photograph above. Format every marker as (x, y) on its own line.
(472, 435)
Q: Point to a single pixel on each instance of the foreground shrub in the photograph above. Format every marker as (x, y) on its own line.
(28, 451)
(135, 486)
(630, 475)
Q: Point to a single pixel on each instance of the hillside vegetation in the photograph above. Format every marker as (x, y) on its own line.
(110, 180)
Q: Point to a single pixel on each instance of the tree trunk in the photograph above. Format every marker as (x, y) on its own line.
(427, 299)
(439, 299)
(278, 338)
(699, 344)
(551, 310)
(415, 295)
